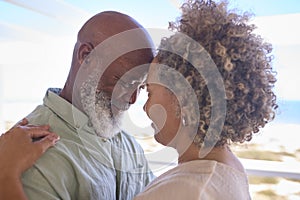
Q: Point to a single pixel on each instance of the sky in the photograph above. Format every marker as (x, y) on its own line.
(37, 38)
(48, 15)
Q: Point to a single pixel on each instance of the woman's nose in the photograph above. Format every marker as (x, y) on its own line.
(145, 107)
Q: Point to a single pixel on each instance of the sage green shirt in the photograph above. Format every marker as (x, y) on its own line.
(83, 165)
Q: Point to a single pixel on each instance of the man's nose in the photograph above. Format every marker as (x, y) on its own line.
(133, 97)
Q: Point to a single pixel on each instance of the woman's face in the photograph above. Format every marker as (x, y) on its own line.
(161, 107)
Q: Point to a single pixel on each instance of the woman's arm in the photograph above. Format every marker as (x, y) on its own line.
(18, 152)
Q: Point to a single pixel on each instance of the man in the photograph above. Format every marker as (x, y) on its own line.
(94, 158)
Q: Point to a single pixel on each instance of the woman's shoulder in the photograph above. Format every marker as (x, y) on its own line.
(199, 179)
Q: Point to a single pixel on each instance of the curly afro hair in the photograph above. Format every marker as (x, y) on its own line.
(243, 60)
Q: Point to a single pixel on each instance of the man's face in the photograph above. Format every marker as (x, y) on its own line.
(97, 105)
(116, 91)
(122, 79)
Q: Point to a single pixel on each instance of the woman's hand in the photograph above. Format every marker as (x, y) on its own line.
(18, 152)
(20, 147)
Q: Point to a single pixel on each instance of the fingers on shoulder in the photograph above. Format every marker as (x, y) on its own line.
(47, 142)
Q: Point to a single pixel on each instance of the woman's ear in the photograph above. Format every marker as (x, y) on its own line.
(84, 50)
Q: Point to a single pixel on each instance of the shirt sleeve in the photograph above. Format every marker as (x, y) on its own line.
(51, 177)
(37, 187)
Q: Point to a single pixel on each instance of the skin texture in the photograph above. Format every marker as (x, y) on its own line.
(14, 161)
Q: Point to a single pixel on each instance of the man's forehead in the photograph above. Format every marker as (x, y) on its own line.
(136, 74)
(129, 65)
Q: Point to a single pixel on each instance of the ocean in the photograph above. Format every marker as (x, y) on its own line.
(288, 112)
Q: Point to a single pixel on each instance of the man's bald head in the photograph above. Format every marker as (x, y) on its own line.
(104, 25)
(121, 44)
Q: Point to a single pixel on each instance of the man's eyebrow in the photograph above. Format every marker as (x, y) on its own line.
(134, 77)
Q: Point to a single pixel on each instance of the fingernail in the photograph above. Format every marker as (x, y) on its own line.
(55, 138)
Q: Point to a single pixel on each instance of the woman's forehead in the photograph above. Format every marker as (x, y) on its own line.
(152, 73)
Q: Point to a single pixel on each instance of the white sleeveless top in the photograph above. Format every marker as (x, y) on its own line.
(199, 179)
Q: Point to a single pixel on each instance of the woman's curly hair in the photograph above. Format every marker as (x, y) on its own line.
(242, 58)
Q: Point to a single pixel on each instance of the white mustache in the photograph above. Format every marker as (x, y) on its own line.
(120, 106)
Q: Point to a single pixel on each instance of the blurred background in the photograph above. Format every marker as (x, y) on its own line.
(36, 45)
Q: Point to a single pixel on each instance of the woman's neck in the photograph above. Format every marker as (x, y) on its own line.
(193, 152)
(221, 154)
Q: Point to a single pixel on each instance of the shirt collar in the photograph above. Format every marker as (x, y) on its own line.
(66, 111)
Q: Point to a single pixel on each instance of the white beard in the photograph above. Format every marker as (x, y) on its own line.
(98, 108)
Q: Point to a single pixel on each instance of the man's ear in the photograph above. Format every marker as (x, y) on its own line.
(83, 51)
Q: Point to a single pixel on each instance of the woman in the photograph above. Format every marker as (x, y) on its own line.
(207, 169)
(210, 85)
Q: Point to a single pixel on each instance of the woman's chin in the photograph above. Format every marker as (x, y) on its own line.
(156, 137)
(155, 128)
(157, 134)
